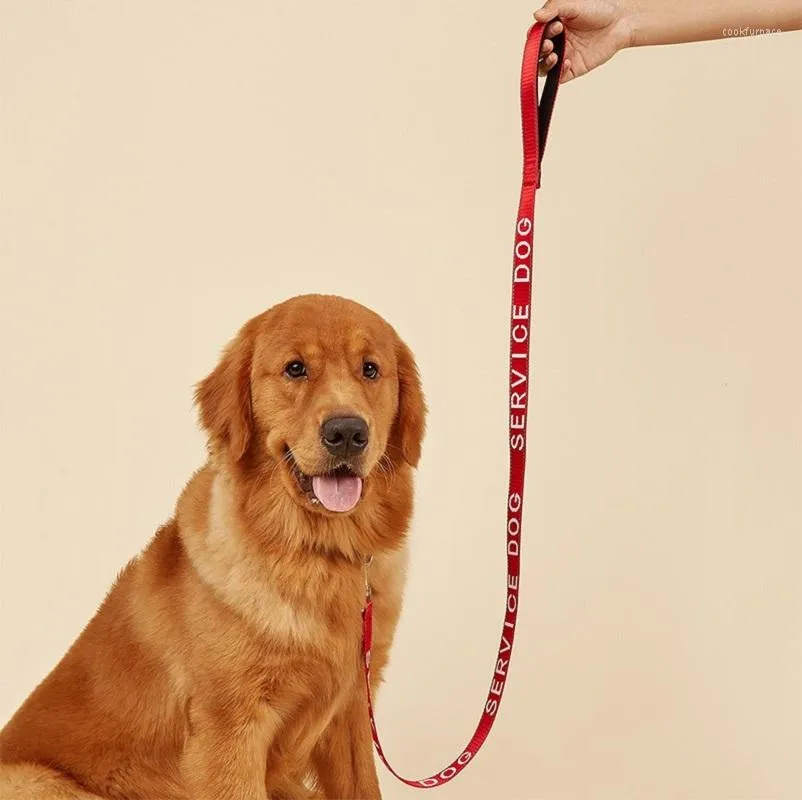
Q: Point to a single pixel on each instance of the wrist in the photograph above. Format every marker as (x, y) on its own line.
(640, 18)
(630, 24)
(659, 22)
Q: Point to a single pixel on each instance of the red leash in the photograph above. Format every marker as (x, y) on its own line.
(535, 118)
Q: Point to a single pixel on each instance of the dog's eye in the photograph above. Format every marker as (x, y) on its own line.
(370, 370)
(295, 369)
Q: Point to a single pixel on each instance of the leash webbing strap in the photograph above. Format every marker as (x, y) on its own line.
(536, 117)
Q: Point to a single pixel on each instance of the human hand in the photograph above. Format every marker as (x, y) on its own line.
(595, 30)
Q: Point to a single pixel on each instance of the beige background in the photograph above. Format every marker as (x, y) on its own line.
(170, 169)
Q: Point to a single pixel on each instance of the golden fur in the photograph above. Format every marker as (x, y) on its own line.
(224, 664)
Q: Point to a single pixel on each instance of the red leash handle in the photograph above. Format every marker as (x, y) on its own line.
(536, 117)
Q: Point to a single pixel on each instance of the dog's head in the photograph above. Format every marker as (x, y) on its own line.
(322, 390)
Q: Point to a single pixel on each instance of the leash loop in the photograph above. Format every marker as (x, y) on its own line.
(536, 118)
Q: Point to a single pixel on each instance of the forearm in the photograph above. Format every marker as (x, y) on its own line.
(655, 22)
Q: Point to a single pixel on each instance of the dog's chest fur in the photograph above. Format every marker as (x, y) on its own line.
(293, 622)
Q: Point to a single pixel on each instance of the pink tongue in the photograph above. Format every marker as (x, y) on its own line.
(337, 494)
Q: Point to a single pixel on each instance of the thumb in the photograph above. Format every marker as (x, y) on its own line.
(548, 11)
(556, 8)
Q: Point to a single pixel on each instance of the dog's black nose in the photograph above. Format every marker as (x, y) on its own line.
(344, 436)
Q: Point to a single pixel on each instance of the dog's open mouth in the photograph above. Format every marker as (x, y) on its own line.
(337, 490)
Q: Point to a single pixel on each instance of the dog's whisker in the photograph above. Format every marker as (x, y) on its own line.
(386, 467)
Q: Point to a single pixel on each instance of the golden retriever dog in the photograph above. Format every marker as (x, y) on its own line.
(225, 662)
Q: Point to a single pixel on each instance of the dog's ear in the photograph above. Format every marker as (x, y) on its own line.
(224, 397)
(410, 421)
